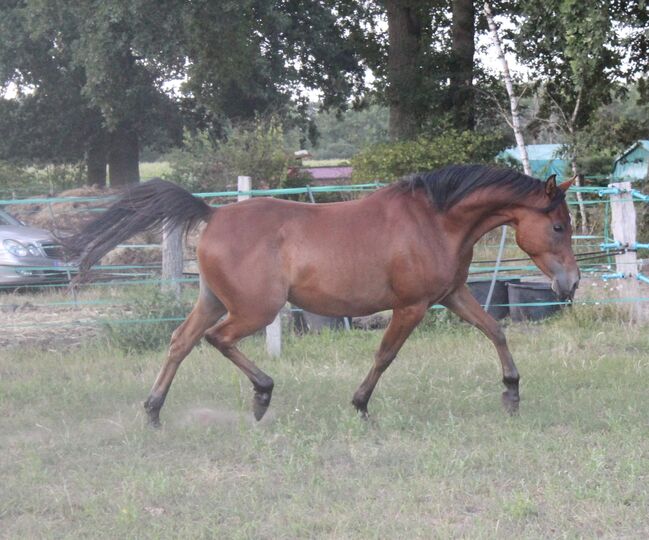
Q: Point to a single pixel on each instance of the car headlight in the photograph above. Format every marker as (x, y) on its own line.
(15, 248)
(33, 250)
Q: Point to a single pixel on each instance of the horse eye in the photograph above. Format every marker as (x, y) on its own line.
(558, 227)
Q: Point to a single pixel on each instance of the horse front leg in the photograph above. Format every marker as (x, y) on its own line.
(404, 321)
(462, 303)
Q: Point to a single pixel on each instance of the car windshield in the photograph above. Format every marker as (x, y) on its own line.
(8, 219)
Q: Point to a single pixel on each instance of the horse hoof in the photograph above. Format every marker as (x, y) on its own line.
(153, 414)
(361, 409)
(260, 404)
(510, 404)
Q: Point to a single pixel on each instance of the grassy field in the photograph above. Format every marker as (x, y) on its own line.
(150, 170)
(154, 169)
(440, 459)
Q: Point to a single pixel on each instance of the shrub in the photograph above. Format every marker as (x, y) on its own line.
(254, 149)
(390, 161)
(158, 312)
(197, 166)
(18, 181)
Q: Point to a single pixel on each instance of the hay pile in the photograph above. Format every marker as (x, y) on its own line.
(62, 217)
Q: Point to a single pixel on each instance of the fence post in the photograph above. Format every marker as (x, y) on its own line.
(172, 258)
(274, 329)
(623, 227)
(244, 184)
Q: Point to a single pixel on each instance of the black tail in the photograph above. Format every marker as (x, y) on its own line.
(143, 207)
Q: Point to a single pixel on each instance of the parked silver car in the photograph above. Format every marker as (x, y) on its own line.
(28, 255)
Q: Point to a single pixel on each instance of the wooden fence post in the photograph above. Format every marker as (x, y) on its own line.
(172, 259)
(274, 329)
(623, 227)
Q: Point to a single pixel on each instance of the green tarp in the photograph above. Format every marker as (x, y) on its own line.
(545, 159)
(633, 163)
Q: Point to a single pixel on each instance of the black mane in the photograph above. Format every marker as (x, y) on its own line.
(447, 186)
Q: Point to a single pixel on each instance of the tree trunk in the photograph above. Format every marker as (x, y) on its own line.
(513, 99)
(96, 161)
(124, 157)
(172, 259)
(573, 163)
(404, 55)
(515, 123)
(583, 217)
(461, 87)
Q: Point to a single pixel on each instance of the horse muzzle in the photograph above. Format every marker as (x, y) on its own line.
(564, 284)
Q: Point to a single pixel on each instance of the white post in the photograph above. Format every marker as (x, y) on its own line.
(172, 259)
(274, 329)
(274, 337)
(244, 183)
(623, 227)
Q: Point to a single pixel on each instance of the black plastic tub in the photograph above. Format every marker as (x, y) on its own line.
(305, 322)
(530, 293)
(480, 291)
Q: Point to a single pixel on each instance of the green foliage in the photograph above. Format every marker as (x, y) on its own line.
(390, 161)
(252, 149)
(13, 178)
(342, 135)
(437, 320)
(256, 149)
(613, 128)
(160, 314)
(17, 181)
(196, 165)
(574, 49)
(82, 84)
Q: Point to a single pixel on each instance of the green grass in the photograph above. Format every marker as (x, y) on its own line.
(154, 169)
(439, 460)
(325, 162)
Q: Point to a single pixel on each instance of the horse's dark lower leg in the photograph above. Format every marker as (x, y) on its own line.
(404, 320)
(462, 303)
(206, 313)
(224, 336)
(511, 397)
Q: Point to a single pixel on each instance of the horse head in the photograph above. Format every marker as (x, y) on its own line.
(545, 234)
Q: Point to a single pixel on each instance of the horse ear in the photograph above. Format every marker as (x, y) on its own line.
(578, 179)
(551, 186)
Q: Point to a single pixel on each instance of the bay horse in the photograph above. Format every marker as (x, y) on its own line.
(404, 247)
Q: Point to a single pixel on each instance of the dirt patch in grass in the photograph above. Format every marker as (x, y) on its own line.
(46, 327)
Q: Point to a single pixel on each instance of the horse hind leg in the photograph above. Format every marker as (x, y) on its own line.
(225, 335)
(207, 311)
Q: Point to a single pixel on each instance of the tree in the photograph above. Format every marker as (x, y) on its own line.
(76, 67)
(462, 64)
(513, 98)
(413, 66)
(573, 48)
(237, 60)
(256, 57)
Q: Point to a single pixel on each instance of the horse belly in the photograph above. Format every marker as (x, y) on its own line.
(340, 291)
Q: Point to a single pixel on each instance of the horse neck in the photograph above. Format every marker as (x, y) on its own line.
(479, 213)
